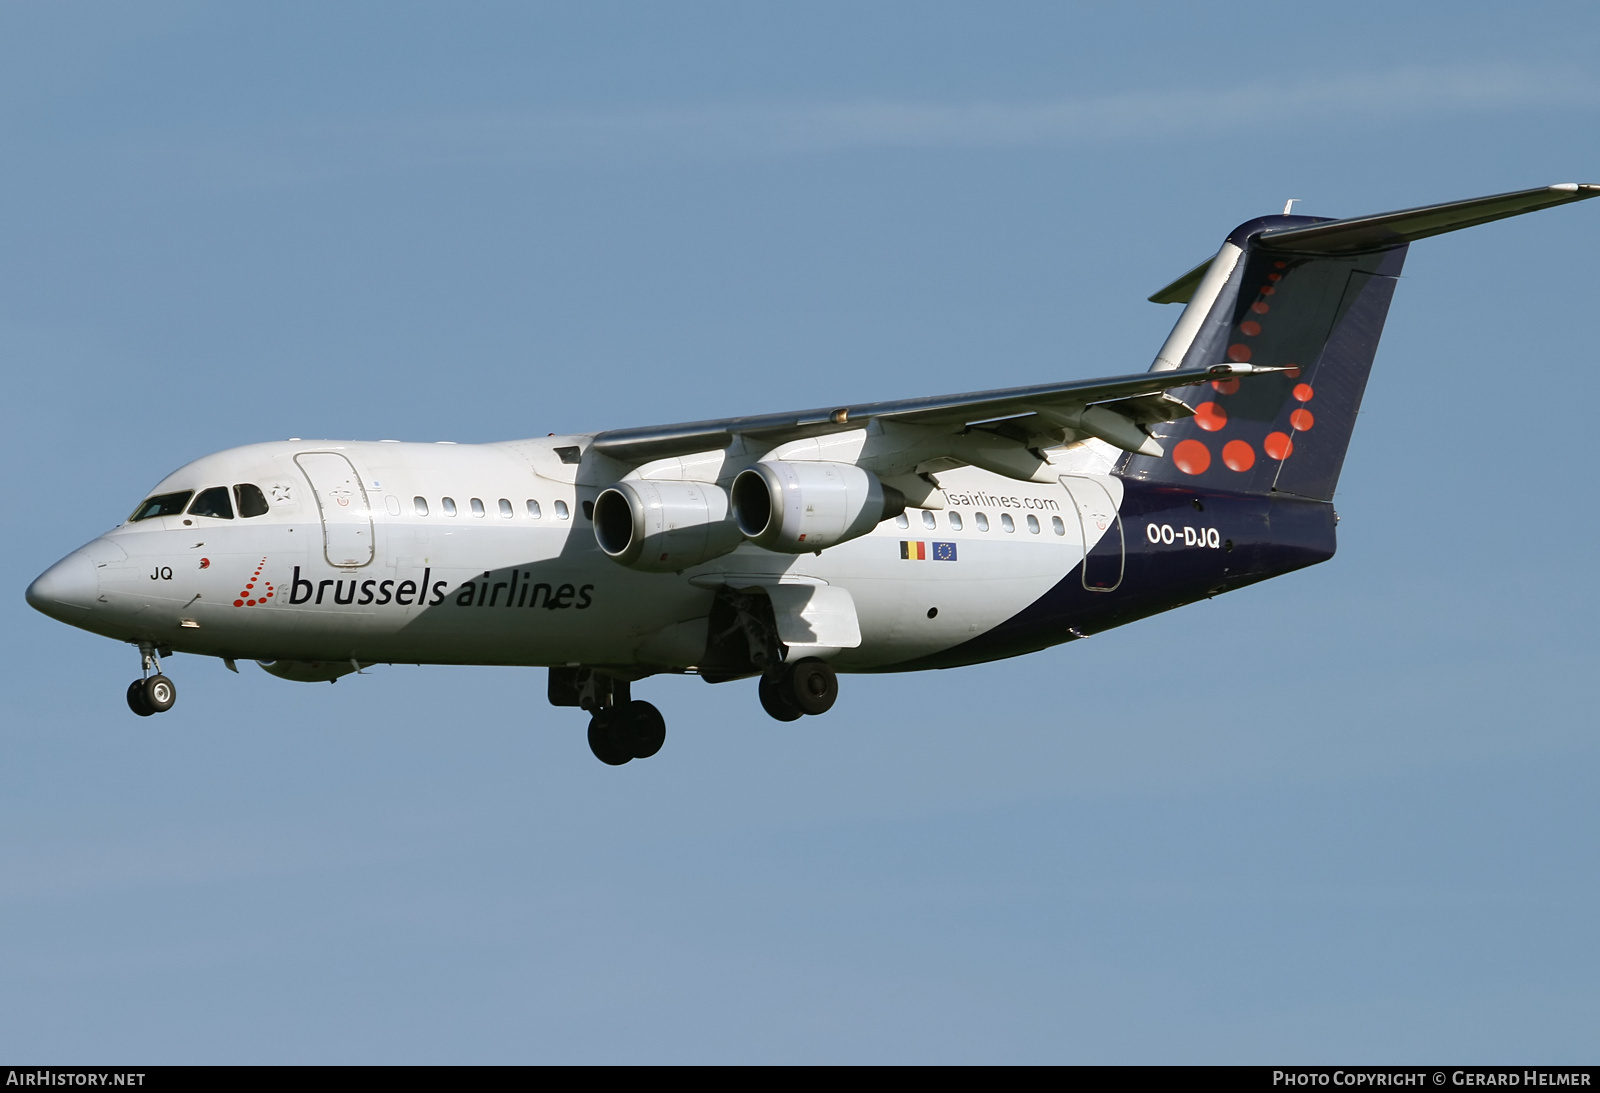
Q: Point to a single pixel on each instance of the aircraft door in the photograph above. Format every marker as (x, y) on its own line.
(346, 517)
(1099, 527)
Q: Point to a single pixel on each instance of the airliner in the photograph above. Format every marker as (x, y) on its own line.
(793, 547)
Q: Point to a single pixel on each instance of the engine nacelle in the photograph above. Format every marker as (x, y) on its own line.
(663, 527)
(797, 507)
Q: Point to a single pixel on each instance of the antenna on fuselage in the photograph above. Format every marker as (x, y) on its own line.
(1288, 206)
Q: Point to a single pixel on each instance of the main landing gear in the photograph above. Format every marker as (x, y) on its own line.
(151, 694)
(808, 686)
(621, 728)
(620, 734)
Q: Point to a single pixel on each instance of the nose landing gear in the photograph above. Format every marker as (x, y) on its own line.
(151, 694)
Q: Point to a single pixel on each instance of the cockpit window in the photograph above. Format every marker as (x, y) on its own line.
(252, 502)
(163, 504)
(213, 502)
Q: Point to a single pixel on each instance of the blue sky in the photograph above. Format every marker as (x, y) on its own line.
(1345, 815)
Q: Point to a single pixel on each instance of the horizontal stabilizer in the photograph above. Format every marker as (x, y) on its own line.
(1180, 291)
(1363, 234)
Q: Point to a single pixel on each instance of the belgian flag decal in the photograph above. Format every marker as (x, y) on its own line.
(913, 551)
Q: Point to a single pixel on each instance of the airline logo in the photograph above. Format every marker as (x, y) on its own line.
(912, 551)
(250, 596)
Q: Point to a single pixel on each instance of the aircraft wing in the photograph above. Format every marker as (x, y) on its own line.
(1135, 398)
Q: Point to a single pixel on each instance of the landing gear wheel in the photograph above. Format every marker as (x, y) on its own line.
(623, 733)
(159, 693)
(136, 699)
(647, 729)
(811, 685)
(776, 701)
(609, 746)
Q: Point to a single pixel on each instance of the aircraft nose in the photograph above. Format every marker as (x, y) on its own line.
(67, 590)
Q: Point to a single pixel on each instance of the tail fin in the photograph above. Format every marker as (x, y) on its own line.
(1309, 295)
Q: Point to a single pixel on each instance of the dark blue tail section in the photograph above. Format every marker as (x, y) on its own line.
(1318, 315)
(1308, 295)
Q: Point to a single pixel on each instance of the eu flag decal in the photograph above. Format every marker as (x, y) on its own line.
(913, 551)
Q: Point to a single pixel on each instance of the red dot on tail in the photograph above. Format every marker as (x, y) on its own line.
(1210, 417)
(1274, 276)
(1226, 387)
(1239, 353)
(238, 603)
(1301, 420)
(1250, 327)
(1293, 371)
(249, 603)
(1281, 265)
(1278, 446)
(1191, 457)
(1259, 308)
(1303, 392)
(1267, 290)
(1238, 455)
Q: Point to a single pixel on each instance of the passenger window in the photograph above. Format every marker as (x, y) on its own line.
(166, 504)
(477, 507)
(561, 510)
(929, 521)
(1007, 523)
(1033, 525)
(214, 503)
(902, 521)
(1057, 526)
(983, 521)
(392, 503)
(505, 508)
(533, 509)
(421, 505)
(955, 521)
(449, 506)
(252, 502)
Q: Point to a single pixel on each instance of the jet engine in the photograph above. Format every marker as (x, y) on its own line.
(797, 507)
(663, 527)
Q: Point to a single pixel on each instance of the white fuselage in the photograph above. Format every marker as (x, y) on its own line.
(372, 566)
